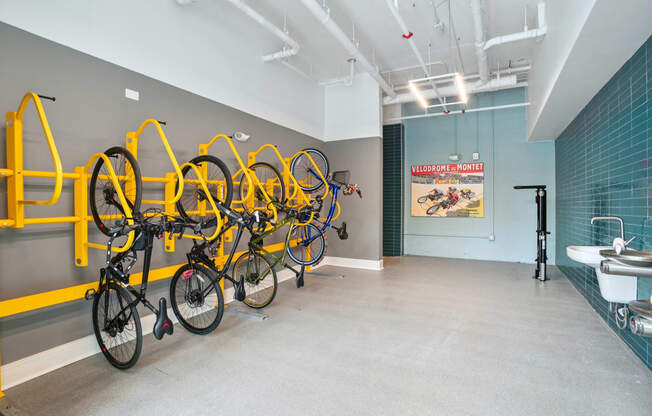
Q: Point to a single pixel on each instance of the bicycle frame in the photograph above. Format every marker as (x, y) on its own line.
(112, 273)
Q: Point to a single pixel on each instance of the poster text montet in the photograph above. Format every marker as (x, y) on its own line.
(448, 190)
(448, 168)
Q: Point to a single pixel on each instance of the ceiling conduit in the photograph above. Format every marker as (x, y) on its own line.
(409, 37)
(525, 34)
(261, 20)
(480, 51)
(279, 33)
(324, 17)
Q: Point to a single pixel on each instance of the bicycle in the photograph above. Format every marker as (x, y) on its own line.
(116, 322)
(311, 243)
(254, 276)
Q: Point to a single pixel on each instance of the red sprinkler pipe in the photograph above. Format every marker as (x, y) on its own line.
(408, 36)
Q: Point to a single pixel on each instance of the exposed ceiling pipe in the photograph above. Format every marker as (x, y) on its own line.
(525, 34)
(278, 32)
(503, 82)
(324, 17)
(467, 110)
(408, 36)
(405, 68)
(480, 51)
(438, 23)
(506, 71)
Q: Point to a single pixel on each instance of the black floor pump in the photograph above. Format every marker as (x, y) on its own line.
(542, 232)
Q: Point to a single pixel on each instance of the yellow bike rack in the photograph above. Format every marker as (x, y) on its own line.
(15, 173)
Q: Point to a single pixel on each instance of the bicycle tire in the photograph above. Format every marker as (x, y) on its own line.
(132, 193)
(301, 173)
(252, 281)
(196, 299)
(192, 193)
(300, 252)
(422, 199)
(132, 318)
(264, 169)
(431, 211)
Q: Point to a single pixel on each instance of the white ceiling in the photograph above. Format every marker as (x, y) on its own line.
(380, 35)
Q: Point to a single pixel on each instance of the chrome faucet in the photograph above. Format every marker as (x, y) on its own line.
(620, 220)
(618, 246)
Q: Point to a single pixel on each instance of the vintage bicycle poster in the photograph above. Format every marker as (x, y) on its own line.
(448, 190)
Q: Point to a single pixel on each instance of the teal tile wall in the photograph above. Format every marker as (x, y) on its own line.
(604, 167)
(392, 193)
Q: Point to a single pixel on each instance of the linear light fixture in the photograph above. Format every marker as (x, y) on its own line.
(461, 88)
(417, 94)
(456, 77)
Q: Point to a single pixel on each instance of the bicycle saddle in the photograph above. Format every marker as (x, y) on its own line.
(163, 325)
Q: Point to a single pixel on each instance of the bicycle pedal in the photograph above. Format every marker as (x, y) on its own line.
(342, 233)
(163, 324)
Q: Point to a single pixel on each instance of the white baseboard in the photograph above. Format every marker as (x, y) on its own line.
(28, 368)
(351, 263)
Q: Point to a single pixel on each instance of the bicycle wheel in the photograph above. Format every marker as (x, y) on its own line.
(422, 199)
(270, 179)
(218, 181)
(196, 298)
(432, 209)
(105, 204)
(117, 326)
(260, 282)
(310, 245)
(304, 171)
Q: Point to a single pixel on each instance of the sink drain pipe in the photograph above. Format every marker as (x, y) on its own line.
(641, 326)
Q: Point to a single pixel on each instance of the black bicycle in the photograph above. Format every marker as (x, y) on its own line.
(116, 321)
(115, 197)
(192, 289)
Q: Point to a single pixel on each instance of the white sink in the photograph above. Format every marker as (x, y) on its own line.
(589, 255)
(613, 287)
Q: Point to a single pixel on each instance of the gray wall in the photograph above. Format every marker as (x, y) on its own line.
(90, 115)
(363, 157)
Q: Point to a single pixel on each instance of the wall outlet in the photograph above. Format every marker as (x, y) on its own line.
(492, 237)
(476, 156)
(132, 95)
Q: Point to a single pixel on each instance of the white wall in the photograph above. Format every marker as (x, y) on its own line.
(354, 111)
(209, 48)
(586, 43)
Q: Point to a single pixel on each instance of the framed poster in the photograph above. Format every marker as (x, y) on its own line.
(448, 190)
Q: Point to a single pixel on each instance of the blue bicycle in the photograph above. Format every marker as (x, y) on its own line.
(311, 238)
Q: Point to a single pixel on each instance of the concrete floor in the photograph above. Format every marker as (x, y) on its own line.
(423, 336)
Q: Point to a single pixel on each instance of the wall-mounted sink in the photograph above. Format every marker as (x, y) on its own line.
(613, 287)
(589, 255)
(629, 257)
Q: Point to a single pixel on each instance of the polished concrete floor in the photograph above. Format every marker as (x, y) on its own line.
(423, 336)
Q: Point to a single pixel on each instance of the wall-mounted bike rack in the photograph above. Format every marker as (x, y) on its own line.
(296, 198)
(173, 183)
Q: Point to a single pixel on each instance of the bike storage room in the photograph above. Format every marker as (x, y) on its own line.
(325, 207)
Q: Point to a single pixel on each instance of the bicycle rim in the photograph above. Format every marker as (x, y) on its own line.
(303, 170)
(196, 299)
(106, 208)
(310, 244)
(117, 326)
(260, 282)
(271, 181)
(194, 202)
